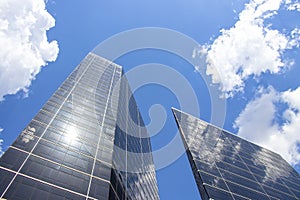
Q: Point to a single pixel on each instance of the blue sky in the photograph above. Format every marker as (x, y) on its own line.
(248, 51)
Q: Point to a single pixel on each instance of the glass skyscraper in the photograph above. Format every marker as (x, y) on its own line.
(87, 142)
(228, 167)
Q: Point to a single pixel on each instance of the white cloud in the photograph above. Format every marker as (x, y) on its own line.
(249, 48)
(292, 5)
(295, 38)
(257, 123)
(24, 45)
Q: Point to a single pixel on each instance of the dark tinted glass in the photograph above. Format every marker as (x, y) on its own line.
(66, 151)
(233, 167)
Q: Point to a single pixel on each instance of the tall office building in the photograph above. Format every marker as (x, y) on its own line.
(87, 142)
(228, 167)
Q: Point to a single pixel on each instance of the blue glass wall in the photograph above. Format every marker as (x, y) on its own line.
(66, 151)
(228, 167)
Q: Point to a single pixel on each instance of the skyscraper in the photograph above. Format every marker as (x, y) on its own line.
(228, 167)
(87, 142)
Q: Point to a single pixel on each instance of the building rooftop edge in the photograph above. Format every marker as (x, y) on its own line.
(107, 60)
(235, 135)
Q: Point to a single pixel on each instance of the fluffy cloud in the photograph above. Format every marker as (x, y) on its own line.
(24, 45)
(280, 136)
(249, 48)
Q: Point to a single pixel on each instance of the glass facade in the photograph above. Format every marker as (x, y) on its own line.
(137, 172)
(228, 167)
(71, 149)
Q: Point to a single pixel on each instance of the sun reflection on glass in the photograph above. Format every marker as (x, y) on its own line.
(71, 134)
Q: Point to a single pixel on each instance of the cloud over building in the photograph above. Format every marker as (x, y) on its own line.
(257, 122)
